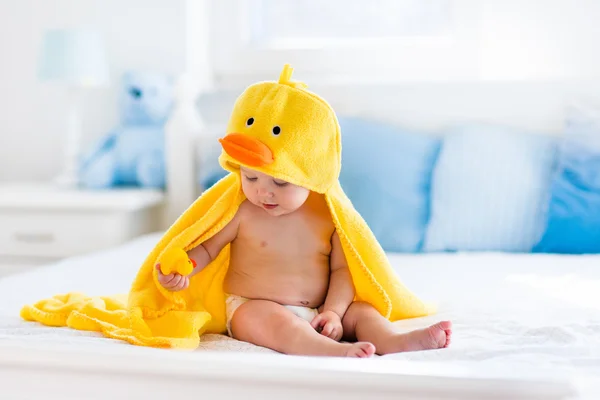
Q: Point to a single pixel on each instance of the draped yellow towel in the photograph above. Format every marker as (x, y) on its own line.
(281, 129)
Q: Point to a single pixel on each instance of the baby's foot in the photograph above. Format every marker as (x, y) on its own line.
(438, 336)
(435, 337)
(361, 350)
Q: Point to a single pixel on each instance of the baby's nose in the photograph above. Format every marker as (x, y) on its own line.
(264, 192)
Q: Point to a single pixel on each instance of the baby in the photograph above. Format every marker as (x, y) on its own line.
(288, 285)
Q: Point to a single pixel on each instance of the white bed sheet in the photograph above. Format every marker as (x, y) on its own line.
(532, 311)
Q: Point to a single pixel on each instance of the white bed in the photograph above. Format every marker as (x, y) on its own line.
(526, 326)
(531, 319)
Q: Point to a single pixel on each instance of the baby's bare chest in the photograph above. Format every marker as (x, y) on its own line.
(302, 235)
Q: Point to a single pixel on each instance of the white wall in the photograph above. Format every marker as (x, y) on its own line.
(540, 39)
(139, 33)
(520, 40)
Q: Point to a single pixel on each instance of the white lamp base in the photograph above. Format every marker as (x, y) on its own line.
(69, 177)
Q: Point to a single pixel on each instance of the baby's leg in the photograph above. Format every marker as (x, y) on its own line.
(271, 325)
(363, 322)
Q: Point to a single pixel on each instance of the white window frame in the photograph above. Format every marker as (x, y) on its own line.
(451, 58)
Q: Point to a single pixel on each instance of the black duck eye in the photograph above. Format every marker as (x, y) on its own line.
(250, 121)
(276, 130)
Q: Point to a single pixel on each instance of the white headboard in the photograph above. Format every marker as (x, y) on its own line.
(534, 106)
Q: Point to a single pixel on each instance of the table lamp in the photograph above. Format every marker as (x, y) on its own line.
(75, 58)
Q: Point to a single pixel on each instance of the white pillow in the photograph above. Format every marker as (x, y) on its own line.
(489, 190)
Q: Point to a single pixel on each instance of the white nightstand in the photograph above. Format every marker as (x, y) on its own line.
(40, 223)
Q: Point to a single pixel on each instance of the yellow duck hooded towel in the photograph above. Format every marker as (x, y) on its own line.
(283, 130)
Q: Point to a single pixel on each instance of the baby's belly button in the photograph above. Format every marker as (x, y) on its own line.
(305, 300)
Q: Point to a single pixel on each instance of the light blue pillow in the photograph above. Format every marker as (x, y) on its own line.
(488, 190)
(386, 173)
(573, 224)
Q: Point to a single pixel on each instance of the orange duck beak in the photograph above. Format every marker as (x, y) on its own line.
(247, 149)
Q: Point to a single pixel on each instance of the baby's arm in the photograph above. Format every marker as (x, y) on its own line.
(202, 255)
(205, 252)
(339, 296)
(341, 288)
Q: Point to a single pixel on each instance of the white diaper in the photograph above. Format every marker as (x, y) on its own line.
(232, 302)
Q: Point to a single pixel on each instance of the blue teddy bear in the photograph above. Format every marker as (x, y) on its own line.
(133, 154)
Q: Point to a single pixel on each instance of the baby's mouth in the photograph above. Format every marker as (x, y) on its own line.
(269, 206)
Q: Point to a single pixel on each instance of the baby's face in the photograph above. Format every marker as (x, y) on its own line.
(272, 195)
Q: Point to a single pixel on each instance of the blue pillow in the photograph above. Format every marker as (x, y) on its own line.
(488, 190)
(573, 224)
(386, 173)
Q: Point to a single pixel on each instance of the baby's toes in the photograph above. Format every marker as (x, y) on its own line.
(448, 337)
(361, 350)
(368, 349)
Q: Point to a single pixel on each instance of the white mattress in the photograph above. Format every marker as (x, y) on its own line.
(534, 311)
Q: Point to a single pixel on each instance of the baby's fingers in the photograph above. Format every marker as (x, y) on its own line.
(183, 284)
(327, 329)
(316, 322)
(337, 333)
(166, 280)
(160, 273)
(176, 281)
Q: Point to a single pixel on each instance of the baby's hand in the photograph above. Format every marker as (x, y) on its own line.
(330, 325)
(173, 282)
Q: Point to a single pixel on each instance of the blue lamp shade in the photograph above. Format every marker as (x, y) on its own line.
(76, 57)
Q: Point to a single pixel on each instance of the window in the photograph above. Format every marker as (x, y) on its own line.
(331, 23)
(345, 40)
